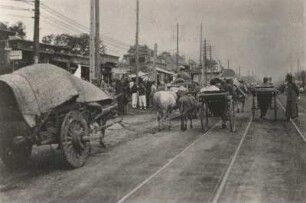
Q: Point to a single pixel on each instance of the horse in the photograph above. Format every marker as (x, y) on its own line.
(188, 106)
(164, 102)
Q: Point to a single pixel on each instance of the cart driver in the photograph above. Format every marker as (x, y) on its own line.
(227, 86)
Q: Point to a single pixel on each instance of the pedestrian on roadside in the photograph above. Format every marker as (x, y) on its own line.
(148, 85)
(153, 90)
(142, 96)
(134, 90)
(292, 98)
(227, 86)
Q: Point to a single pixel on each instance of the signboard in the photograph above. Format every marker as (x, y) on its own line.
(16, 55)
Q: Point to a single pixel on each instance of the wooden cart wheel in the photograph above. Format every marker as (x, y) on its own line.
(275, 107)
(74, 140)
(232, 117)
(14, 155)
(204, 116)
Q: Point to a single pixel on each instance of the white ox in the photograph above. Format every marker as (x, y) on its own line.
(164, 102)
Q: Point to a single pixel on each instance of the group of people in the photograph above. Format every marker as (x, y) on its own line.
(126, 89)
(142, 94)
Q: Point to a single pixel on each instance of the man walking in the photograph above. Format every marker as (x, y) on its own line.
(142, 97)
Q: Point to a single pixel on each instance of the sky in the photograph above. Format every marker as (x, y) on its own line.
(261, 36)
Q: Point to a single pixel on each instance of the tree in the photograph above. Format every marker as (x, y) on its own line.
(18, 28)
(79, 44)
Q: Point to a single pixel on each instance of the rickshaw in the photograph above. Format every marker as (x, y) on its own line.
(263, 98)
(42, 105)
(216, 104)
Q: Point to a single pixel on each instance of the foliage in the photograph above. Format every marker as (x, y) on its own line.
(79, 44)
(18, 28)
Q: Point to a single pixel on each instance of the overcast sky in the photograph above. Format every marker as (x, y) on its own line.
(258, 35)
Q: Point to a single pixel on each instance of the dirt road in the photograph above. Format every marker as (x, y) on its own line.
(263, 161)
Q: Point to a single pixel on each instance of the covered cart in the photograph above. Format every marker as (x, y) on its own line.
(264, 98)
(44, 104)
(217, 104)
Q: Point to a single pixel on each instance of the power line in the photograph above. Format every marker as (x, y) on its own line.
(15, 8)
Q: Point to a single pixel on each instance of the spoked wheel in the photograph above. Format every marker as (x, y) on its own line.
(232, 117)
(74, 140)
(204, 116)
(14, 155)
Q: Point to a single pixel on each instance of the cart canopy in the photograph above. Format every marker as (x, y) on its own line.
(40, 88)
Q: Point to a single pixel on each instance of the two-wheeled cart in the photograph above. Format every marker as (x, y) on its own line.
(216, 104)
(264, 98)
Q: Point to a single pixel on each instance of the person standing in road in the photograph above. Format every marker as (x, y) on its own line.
(142, 96)
(292, 98)
(228, 87)
(134, 90)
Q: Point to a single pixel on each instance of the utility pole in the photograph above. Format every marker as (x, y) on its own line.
(201, 45)
(205, 62)
(177, 47)
(239, 71)
(98, 75)
(228, 64)
(291, 64)
(154, 64)
(36, 31)
(92, 55)
(136, 44)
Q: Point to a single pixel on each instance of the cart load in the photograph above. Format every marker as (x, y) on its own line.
(44, 104)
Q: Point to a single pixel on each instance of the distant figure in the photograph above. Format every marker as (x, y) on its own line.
(134, 90)
(228, 87)
(142, 96)
(292, 98)
(152, 92)
(148, 85)
(264, 101)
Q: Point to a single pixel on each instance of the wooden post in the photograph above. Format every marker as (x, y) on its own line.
(177, 47)
(97, 42)
(92, 55)
(154, 64)
(36, 31)
(137, 46)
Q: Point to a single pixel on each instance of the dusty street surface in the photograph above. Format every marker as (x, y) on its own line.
(271, 164)
(141, 164)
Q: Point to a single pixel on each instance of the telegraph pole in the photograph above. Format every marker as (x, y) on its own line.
(177, 47)
(36, 31)
(154, 64)
(228, 64)
(205, 62)
(97, 41)
(201, 45)
(92, 55)
(137, 46)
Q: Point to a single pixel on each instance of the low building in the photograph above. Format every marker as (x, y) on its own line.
(57, 55)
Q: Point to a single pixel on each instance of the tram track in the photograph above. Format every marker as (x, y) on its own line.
(134, 190)
(293, 123)
(222, 179)
(225, 176)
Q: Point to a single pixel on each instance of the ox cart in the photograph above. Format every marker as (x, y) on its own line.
(216, 104)
(42, 105)
(264, 98)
